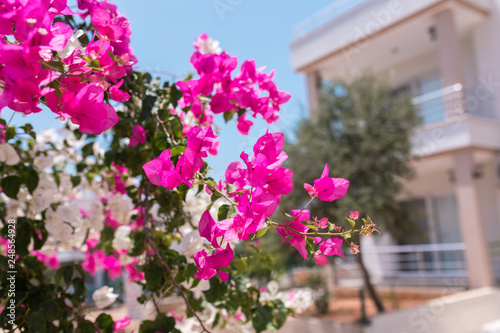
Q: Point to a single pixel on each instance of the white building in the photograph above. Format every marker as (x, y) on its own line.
(447, 54)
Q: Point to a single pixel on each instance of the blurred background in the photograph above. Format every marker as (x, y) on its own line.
(401, 97)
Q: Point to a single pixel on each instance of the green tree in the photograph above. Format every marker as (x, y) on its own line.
(362, 129)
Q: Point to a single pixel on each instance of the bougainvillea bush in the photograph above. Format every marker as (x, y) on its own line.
(120, 186)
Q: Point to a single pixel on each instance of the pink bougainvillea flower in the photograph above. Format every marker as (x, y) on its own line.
(270, 145)
(133, 273)
(3, 131)
(209, 265)
(113, 265)
(298, 241)
(279, 181)
(244, 125)
(117, 94)
(235, 228)
(332, 247)
(161, 171)
(208, 228)
(326, 188)
(321, 224)
(138, 136)
(354, 215)
(201, 140)
(236, 175)
(320, 258)
(85, 108)
(256, 169)
(121, 324)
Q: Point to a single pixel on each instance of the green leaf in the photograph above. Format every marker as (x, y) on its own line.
(11, 185)
(64, 273)
(177, 150)
(177, 128)
(162, 324)
(262, 318)
(88, 149)
(223, 212)
(107, 234)
(75, 180)
(241, 112)
(23, 233)
(26, 128)
(261, 232)
(50, 309)
(80, 291)
(105, 323)
(190, 272)
(351, 222)
(85, 327)
(81, 166)
(228, 115)
(32, 180)
(241, 266)
(154, 277)
(161, 141)
(182, 190)
(109, 157)
(94, 64)
(175, 95)
(280, 314)
(147, 107)
(36, 322)
(138, 243)
(310, 246)
(59, 65)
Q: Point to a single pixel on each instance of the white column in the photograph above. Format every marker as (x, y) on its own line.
(448, 46)
(313, 90)
(477, 254)
(132, 292)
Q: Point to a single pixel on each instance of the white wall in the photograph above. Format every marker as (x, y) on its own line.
(486, 43)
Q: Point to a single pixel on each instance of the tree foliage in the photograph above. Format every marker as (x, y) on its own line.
(363, 131)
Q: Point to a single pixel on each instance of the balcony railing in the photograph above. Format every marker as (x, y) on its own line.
(331, 12)
(424, 264)
(441, 105)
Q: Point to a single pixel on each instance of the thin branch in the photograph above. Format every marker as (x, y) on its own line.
(213, 188)
(165, 129)
(307, 204)
(342, 234)
(162, 261)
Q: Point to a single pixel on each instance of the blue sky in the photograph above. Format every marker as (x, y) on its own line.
(163, 32)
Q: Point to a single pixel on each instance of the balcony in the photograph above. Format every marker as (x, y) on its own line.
(453, 119)
(441, 105)
(357, 34)
(423, 264)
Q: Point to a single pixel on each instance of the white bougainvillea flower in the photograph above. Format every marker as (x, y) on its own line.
(104, 297)
(122, 240)
(44, 193)
(191, 243)
(72, 45)
(42, 161)
(8, 154)
(122, 208)
(70, 213)
(273, 287)
(205, 44)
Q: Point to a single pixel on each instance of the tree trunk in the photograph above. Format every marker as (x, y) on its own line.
(369, 286)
